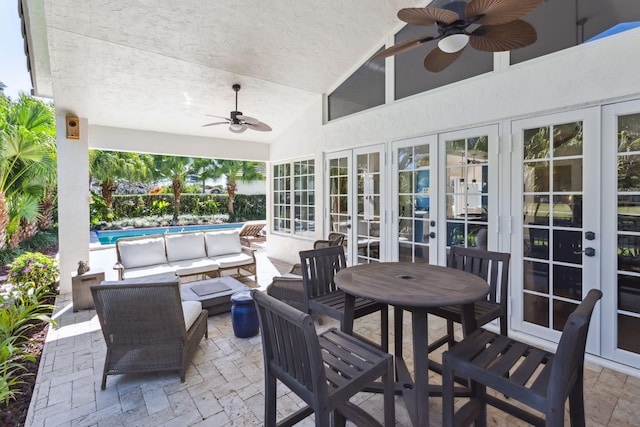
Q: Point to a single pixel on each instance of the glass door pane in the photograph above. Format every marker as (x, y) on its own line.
(416, 199)
(467, 191)
(627, 312)
(339, 184)
(369, 180)
(552, 230)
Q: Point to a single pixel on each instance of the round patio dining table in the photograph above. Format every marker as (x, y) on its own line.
(415, 288)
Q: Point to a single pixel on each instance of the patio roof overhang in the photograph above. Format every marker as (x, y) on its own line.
(163, 66)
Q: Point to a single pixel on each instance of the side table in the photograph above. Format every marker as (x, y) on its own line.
(81, 288)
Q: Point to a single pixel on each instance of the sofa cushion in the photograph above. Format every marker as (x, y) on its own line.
(184, 246)
(223, 242)
(235, 260)
(142, 252)
(194, 266)
(191, 310)
(159, 270)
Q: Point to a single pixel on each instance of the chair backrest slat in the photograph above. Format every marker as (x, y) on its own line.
(569, 360)
(319, 266)
(285, 331)
(491, 266)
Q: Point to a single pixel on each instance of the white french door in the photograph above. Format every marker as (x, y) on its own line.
(356, 201)
(621, 232)
(445, 194)
(556, 236)
(415, 210)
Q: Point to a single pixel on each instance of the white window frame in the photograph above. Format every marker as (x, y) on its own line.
(284, 198)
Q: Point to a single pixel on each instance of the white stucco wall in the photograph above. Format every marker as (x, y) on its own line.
(595, 73)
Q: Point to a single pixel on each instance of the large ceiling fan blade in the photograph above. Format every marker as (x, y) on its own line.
(498, 38)
(247, 119)
(262, 127)
(437, 60)
(402, 47)
(239, 130)
(216, 123)
(496, 12)
(219, 117)
(427, 15)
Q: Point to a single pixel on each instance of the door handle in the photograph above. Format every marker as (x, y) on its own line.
(586, 251)
(432, 235)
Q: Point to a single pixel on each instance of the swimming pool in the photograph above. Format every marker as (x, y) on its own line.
(109, 237)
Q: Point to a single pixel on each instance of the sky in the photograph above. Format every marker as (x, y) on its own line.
(13, 61)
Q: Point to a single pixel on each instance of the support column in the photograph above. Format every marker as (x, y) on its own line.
(73, 199)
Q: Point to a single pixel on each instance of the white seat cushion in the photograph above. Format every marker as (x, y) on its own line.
(194, 266)
(226, 261)
(191, 310)
(161, 270)
(223, 243)
(185, 246)
(142, 252)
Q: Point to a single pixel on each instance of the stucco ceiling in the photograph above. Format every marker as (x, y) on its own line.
(163, 65)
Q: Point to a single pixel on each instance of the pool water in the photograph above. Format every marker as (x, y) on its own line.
(109, 237)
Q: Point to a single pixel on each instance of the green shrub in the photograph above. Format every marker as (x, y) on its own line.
(43, 239)
(19, 312)
(34, 270)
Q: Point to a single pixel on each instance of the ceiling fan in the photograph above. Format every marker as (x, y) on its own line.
(495, 27)
(238, 122)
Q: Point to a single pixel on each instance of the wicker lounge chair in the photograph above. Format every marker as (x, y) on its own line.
(147, 327)
(251, 232)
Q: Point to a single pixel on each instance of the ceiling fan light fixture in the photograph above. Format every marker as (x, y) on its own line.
(236, 127)
(453, 43)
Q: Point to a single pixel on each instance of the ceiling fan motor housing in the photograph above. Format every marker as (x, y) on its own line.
(234, 119)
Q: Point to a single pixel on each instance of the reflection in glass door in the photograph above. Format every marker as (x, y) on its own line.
(559, 225)
(339, 215)
(622, 301)
(414, 169)
(369, 221)
(355, 201)
(467, 190)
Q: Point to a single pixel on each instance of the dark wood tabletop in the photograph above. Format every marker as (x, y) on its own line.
(407, 284)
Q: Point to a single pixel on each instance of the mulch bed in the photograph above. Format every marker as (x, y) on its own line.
(15, 413)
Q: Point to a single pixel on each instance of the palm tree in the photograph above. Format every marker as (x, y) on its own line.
(109, 167)
(234, 169)
(205, 169)
(175, 169)
(27, 163)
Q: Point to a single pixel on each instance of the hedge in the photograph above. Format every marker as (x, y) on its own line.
(141, 205)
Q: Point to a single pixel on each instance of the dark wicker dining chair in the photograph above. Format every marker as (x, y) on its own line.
(492, 267)
(322, 296)
(145, 326)
(534, 377)
(324, 370)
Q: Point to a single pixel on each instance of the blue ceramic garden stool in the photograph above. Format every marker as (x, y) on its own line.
(243, 315)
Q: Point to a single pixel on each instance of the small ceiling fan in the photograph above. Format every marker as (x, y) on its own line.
(496, 22)
(238, 122)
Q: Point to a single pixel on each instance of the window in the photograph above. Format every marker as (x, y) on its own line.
(294, 198)
(564, 24)
(362, 90)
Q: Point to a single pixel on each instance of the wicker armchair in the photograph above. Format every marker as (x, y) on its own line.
(146, 326)
(288, 288)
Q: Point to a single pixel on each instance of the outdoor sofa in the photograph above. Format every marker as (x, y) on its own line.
(184, 254)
